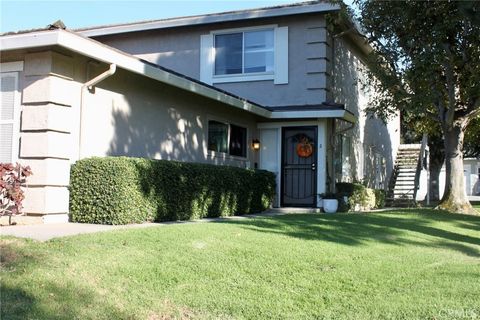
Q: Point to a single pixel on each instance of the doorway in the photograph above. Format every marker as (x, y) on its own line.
(299, 166)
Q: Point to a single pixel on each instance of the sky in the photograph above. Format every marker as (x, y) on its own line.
(24, 15)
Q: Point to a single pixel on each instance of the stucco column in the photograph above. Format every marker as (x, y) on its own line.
(46, 133)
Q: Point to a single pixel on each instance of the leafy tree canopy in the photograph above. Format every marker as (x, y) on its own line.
(426, 63)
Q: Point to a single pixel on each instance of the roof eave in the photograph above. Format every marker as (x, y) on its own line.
(209, 19)
(101, 52)
(314, 114)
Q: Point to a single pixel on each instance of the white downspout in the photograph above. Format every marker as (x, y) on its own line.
(89, 85)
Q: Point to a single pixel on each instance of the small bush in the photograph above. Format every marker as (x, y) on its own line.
(359, 195)
(12, 176)
(380, 196)
(120, 190)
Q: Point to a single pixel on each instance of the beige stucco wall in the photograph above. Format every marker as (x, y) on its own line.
(371, 137)
(125, 115)
(179, 50)
(134, 116)
(48, 100)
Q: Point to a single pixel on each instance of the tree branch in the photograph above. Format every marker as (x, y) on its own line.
(472, 114)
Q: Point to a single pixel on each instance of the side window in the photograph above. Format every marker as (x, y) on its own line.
(238, 141)
(217, 136)
(9, 117)
(227, 138)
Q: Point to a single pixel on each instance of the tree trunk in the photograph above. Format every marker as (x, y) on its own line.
(437, 159)
(454, 198)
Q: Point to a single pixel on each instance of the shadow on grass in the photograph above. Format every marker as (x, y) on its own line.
(19, 300)
(391, 228)
(55, 303)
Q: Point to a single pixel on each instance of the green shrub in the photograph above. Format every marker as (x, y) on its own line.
(358, 194)
(120, 190)
(380, 196)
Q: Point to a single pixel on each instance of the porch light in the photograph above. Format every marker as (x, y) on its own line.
(256, 144)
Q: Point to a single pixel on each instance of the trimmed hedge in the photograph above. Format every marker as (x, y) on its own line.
(121, 190)
(358, 194)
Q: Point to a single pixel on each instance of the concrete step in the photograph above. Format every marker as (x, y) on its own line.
(404, 146)
(404, 184)
(403, 191)
(411, 162)
(410, 157)
(408, 154)
(406, 174)
(406, 166)
(404, 187)
(406, 163)
(286, 210)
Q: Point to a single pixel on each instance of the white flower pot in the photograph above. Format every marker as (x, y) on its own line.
(330, 205)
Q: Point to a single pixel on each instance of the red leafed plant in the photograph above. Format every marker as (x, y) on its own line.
(12, 176)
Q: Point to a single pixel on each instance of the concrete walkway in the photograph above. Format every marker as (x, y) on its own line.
(44, 232)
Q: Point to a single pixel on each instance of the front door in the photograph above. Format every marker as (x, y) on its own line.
(299, 166)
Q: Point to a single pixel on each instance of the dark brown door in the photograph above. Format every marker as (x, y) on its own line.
(299, 166)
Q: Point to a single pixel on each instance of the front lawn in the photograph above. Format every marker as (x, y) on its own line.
(396, 265)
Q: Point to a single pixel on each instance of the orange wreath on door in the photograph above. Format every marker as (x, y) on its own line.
(304, 148)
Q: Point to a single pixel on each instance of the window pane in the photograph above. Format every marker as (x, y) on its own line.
(258, 51)
(217, 136)
(228, 53)
(238, 141)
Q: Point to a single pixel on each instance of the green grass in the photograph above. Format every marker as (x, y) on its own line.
(396, 265)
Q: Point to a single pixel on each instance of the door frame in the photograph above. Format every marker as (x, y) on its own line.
(282, 165)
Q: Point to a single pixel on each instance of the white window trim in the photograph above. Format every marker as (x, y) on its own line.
(227, 155)
(280, 51)
(17, 66)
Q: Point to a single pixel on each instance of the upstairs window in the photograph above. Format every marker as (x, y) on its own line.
(227, 138)
(248, 54)
(244, 52)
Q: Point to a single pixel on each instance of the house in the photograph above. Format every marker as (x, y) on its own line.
(272, 88)
(471, 173)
